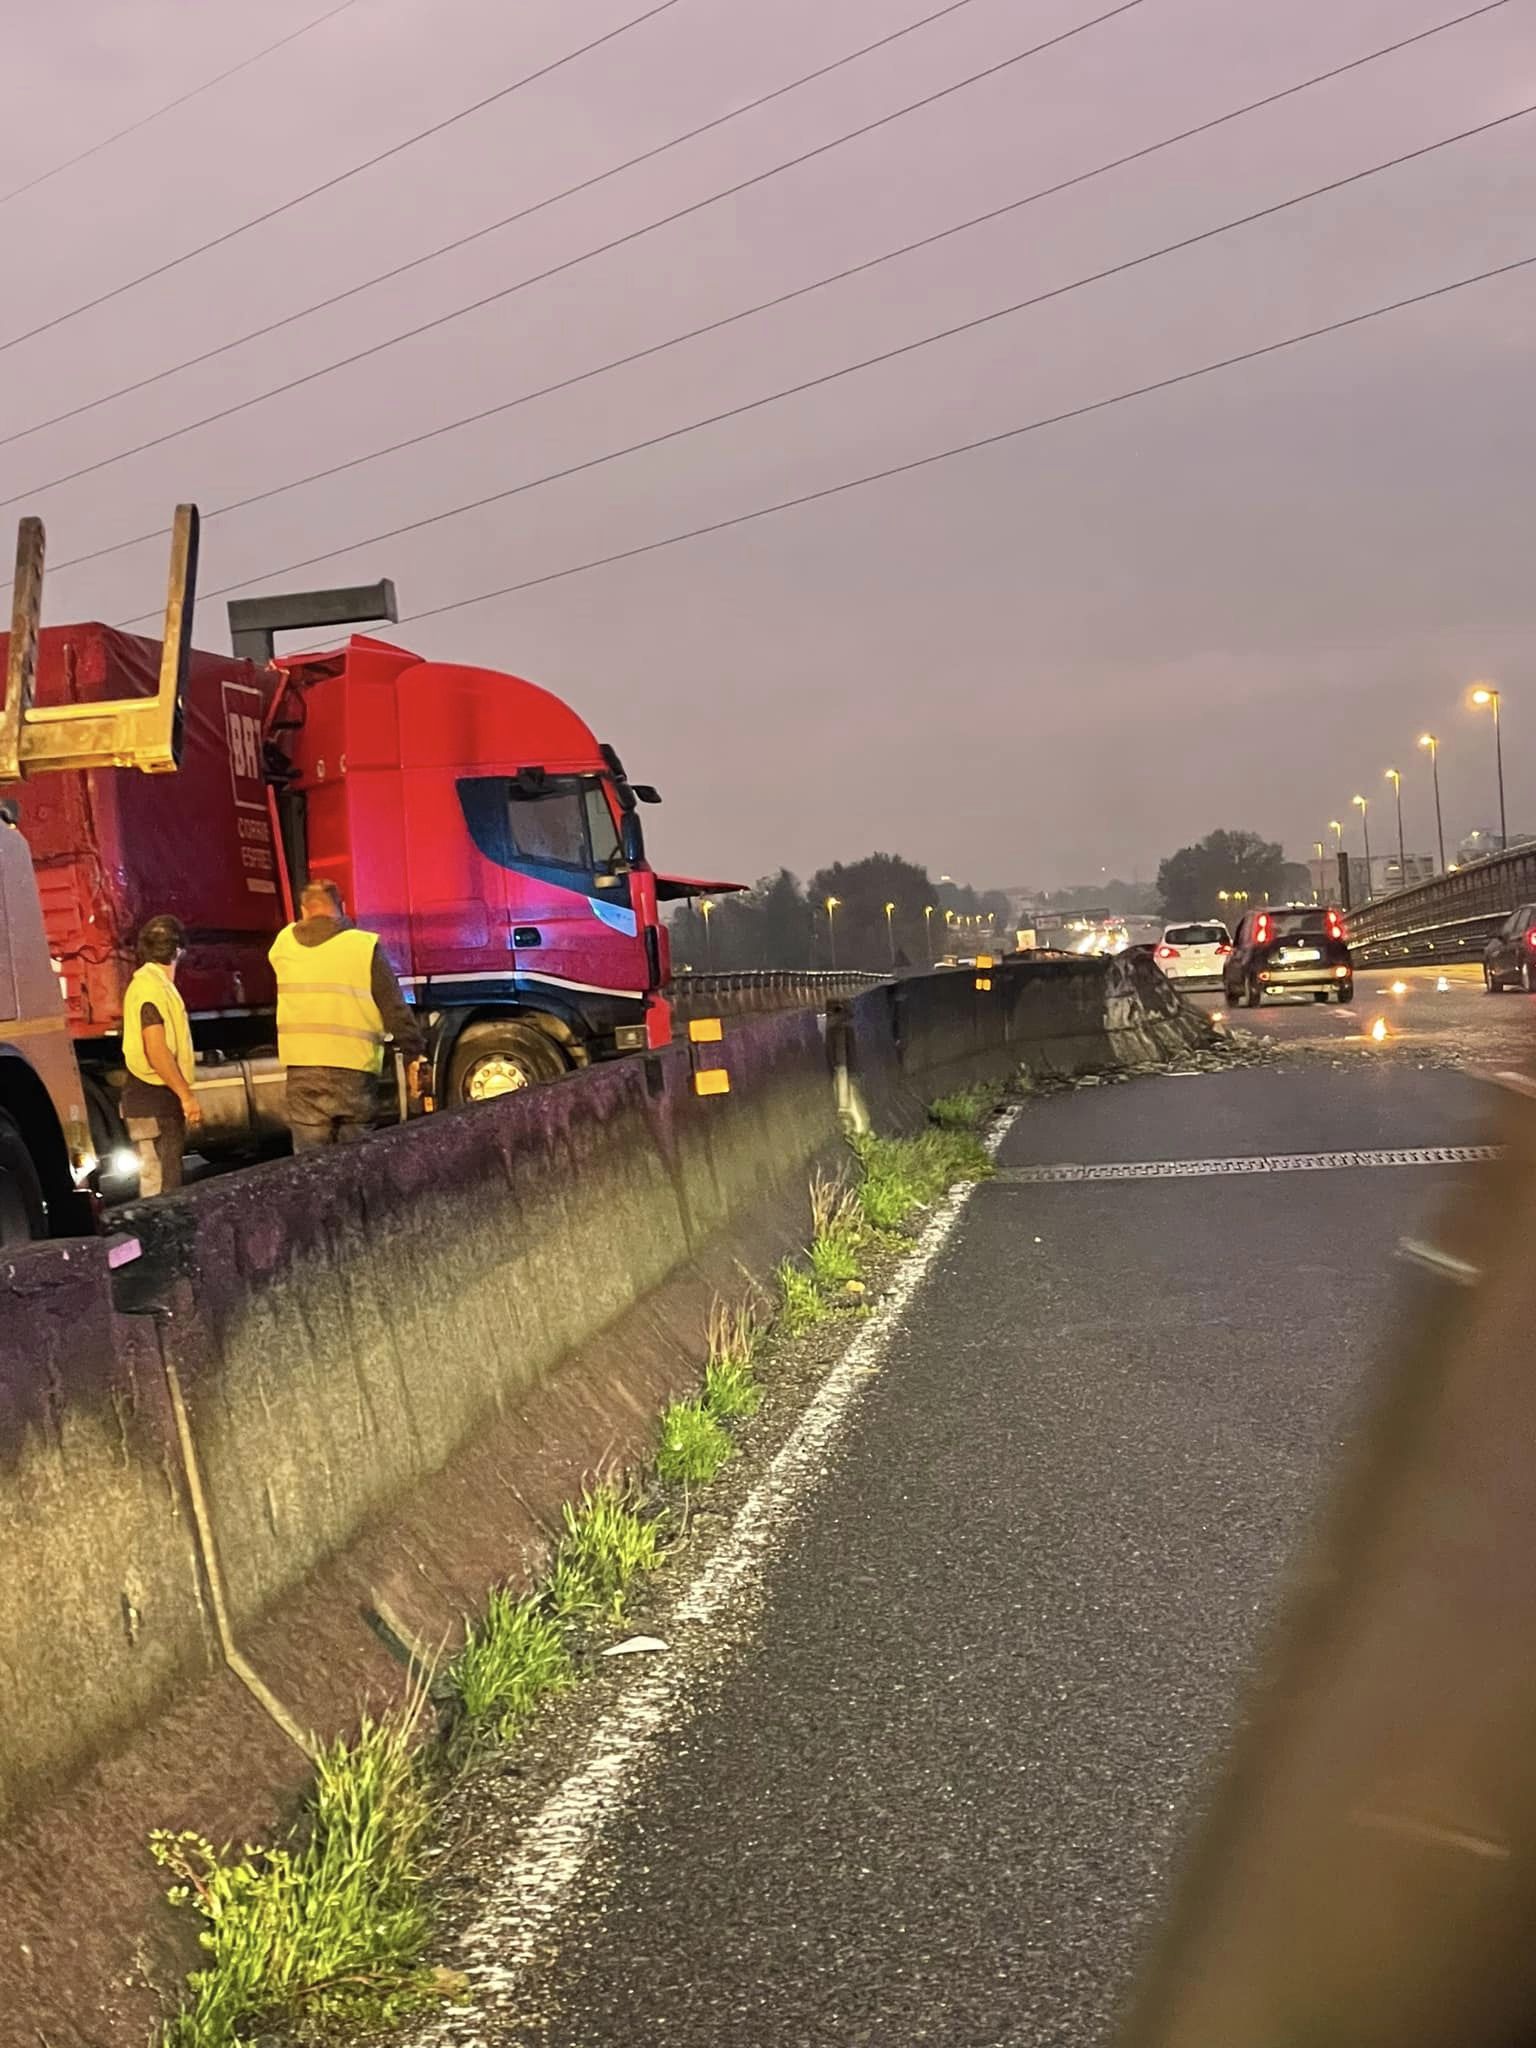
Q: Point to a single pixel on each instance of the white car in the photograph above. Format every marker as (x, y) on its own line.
(1194, 952)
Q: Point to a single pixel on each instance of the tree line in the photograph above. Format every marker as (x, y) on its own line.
(1226, 869)
(839, 917)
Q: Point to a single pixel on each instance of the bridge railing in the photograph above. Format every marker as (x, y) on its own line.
(1451, 918)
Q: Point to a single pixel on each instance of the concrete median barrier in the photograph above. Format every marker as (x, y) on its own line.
(338, 1397)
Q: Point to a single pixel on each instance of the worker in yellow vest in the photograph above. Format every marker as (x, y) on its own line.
(158, 1104)
(337, 1001)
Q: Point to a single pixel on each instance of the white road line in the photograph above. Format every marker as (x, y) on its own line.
(1275, 1162)
(515, 1924)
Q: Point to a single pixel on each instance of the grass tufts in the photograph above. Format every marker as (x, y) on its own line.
(902, 1175)
(604, 1544)
(509, 1662)
(693, 1445)
(801, 1305)
(834, 1261)
(968, 1108)
(835, 1210)
(332, 1925)
(730, 1389)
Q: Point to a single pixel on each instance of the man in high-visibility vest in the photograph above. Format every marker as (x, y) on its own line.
(158, 1104)
(337, 1000)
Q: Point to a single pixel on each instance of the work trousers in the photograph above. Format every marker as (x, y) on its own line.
(160, 1142)
(329, 1106)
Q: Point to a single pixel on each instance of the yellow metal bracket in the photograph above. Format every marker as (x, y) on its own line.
(125, 732)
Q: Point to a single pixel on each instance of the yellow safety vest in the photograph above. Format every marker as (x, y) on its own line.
(326, 1015)
(153, 985)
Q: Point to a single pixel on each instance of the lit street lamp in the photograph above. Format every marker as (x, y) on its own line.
(928, 910)
(890, 930)
(832, 903)
(1427, 739)
(1365, 827)
(1485, 693)
(706, 911)
(1395, 778)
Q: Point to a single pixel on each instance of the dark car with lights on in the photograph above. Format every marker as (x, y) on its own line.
(1510, 961)
(1289, 949)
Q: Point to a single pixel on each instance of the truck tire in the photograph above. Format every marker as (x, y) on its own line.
(23, 1212)
(499, 1056)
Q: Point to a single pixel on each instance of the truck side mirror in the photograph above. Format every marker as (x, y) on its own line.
(646, 792)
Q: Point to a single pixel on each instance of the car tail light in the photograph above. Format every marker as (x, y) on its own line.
(1530, 940)
(1261, 931)
(1172, 952)
(1222, 950)
(1336, 926)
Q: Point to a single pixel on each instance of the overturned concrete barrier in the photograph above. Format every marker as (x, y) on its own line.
(338, 1397)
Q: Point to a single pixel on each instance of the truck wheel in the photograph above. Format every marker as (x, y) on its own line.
(23, 1213)
(499, 1056)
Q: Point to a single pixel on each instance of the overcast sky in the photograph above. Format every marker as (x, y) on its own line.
(1232, 603)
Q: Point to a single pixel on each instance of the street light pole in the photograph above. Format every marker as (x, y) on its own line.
(1322, 871)
(1365, 827)
(1487, 694)
(1395, 778)
(928, 910)
(706, 910)
(1427, 739)
(890, 930)
(832, 903)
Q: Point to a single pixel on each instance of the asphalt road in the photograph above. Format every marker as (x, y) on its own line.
(1446, 1011)
(935, 1794)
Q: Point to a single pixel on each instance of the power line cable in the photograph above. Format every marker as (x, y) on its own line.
(507, 220)
(780, 299)
(966, 447)
(571, 263)
(169, 106)
(395, 149)
(907, 348)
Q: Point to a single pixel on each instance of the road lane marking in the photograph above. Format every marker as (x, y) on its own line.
(1271, 1162)
(515, 1927)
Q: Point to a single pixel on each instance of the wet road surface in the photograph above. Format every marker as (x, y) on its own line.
(936, 1792)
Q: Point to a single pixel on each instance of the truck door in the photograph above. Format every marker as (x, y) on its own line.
(569, 896)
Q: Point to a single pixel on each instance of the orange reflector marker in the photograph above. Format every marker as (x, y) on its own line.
(705, 1030)
(983, 981)
(712, 1081)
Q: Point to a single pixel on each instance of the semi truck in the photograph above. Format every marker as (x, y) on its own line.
(469, 817)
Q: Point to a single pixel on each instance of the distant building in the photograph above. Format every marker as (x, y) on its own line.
(1386, 877)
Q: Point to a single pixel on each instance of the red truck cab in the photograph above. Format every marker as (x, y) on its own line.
(473, 820)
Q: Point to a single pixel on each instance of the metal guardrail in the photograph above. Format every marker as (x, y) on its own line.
(1451, 918)
(765, 988)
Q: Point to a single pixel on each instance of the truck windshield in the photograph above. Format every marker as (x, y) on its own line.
(566, 824)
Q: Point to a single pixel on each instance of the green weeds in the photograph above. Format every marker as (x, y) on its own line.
(730, 1388)
(801, 1306)
(693, 1446)
(603, 1545)
(968, 1108)
(330, 1926)
(902, 1175)
(510, 1661)
(834, 1262)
